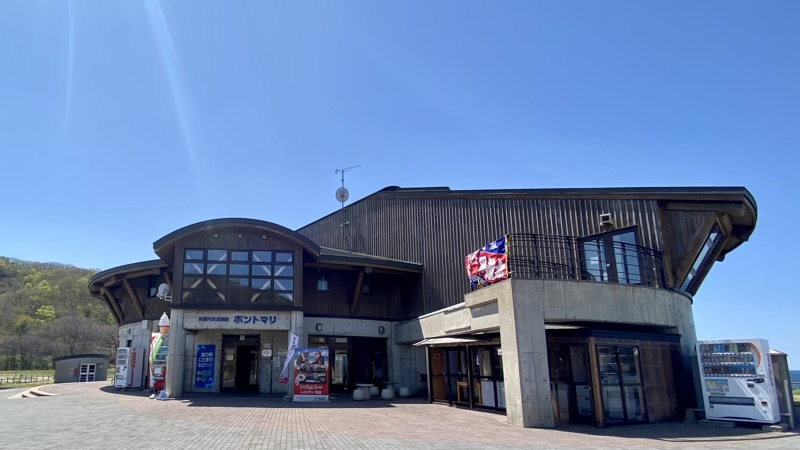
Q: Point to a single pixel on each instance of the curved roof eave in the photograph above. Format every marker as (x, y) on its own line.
(207, 225)
(133, 267)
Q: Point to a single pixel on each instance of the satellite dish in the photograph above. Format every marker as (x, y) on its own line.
(342, 195)
(163, 291)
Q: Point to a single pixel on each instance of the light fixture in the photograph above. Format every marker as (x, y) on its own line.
(381, 330)
(318, 327)
(216, 235)
(239, 235)
(264, 237)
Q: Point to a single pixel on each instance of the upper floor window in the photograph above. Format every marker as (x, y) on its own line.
(322, 283)
(238, 276)
(709, 248)
(152, 286)
(612, 257)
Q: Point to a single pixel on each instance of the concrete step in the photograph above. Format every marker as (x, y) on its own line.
(39, 393)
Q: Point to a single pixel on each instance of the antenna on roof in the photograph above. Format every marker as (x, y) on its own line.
(341, 196)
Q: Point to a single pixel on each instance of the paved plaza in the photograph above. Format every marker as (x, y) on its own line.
(94, 415)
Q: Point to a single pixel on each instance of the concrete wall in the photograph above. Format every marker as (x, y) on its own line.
(520, 310)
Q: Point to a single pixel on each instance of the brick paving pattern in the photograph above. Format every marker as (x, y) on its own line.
(94, 415)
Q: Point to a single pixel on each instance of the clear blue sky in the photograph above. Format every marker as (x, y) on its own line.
(121, 121)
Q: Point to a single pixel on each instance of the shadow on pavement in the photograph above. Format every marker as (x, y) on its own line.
(250, 400)
(680, 432)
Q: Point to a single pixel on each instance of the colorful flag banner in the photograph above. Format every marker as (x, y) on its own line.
(488, 265)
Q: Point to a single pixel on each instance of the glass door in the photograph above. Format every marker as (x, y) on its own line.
(621, 384)
(487, 378)
(611, 258)
(570, 383)
(458, 382)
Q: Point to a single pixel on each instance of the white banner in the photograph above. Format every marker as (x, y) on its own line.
(293, 341)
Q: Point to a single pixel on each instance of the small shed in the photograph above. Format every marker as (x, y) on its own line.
(81, 368)
(783, 383)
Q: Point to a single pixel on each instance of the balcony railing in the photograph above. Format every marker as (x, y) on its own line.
(536, 256)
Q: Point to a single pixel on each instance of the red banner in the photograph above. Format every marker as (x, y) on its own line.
(311, 375)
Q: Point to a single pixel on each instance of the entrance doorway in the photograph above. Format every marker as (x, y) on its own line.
(570, 383)
(621, 384)
(354, 360)
(240, 363)
(449, 375)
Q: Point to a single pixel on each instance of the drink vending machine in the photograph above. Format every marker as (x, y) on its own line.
(158, 361)
(737, 380)
(129, 364)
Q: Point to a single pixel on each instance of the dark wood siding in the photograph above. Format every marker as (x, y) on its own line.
(439, 231)
(383, 302)
(153, 307)
(228, 239)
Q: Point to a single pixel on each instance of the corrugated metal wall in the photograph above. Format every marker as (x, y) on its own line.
(440, 230)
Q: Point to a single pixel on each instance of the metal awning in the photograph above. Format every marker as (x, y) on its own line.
(447, 341)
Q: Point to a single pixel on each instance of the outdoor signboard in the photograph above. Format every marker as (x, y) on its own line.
(204, 369)
(311, 375)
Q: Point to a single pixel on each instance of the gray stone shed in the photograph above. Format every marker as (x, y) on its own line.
(81, 368)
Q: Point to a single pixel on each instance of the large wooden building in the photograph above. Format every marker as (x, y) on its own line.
(594, 324)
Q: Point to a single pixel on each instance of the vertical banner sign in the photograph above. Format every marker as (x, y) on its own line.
(204, 370)
(293, 341)
(311, 375)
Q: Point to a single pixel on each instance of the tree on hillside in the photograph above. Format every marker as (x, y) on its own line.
(46, 311)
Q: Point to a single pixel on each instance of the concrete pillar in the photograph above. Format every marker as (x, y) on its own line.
(525, 369)
(176, 356)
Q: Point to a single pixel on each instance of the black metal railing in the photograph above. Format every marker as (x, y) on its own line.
(537, 256)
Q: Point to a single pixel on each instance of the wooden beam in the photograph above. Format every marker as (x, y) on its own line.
(137, 304)
(733, 209)
(599, 417)
(666, 250)
(168, 279)
(113, 311)
(114, 303)
(695, 244)
(357, 293)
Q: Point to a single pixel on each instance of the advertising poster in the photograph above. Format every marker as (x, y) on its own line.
(311, 375)
(204, 369)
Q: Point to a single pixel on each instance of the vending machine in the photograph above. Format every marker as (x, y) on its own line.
(158, 361)
(737, 380)
(128, 372)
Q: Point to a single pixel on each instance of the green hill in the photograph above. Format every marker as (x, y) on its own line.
(46, 311)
